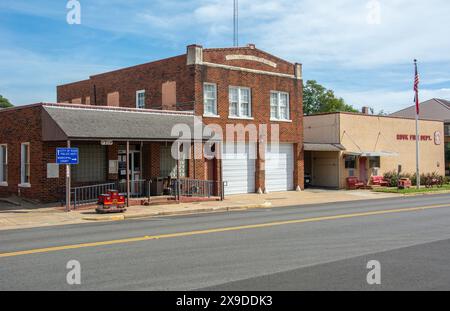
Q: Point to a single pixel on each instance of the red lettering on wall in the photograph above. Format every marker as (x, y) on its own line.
(413, 137)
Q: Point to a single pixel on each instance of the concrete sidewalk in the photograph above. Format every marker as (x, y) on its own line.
(16, 217)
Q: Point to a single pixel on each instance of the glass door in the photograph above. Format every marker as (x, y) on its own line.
(135, 172)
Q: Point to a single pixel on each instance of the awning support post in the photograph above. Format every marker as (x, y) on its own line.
(128, 173)
(178, 172)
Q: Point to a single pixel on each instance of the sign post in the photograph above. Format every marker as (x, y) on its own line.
(67, 156)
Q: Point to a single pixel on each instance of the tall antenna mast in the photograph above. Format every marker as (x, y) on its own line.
(236, 23)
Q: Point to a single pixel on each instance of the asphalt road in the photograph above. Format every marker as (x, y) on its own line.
(316, 247)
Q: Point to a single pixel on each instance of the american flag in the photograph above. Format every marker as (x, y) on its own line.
(416, 88)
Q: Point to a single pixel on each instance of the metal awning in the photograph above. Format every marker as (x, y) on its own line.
(61, 123)
(323, 147)
(373, 154)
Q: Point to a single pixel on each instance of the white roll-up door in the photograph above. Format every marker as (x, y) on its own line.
(280, 168)
(238, 168)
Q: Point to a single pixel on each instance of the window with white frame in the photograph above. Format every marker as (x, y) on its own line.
(3, 164)
(140, 99)
(279, 105)
(25, 164)
(210, 99)
(240, 102)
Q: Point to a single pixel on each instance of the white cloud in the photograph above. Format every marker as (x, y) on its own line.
(310, 31)
(390, 101)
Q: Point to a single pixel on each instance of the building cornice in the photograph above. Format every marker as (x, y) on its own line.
(256, 71)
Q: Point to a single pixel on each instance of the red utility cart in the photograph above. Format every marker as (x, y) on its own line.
(112, 202)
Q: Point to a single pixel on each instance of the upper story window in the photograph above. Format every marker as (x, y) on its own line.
(140, 99)
(240, 102)
(210, 99)
(3, 164)
(447, 129)
(279, 105)
(25, 164)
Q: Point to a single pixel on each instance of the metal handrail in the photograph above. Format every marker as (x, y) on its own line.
(89, 194)
(198, 188)
(142, 189)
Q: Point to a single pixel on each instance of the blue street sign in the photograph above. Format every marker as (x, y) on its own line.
(67, 156)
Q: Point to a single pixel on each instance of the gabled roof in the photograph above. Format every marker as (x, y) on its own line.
(444, 102)
(435, 108)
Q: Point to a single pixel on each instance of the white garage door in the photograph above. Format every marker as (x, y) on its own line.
(280, 168)
(238, 161)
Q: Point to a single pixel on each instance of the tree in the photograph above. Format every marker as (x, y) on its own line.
(317, 99)
(4, 102)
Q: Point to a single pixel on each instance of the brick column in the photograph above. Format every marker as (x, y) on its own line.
(260, 169)
(199, 162)
(299, 168)
(218, 169)
(155, 165)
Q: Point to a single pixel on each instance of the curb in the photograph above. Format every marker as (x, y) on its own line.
(179, 213)
(100, 218)
(10, 202)
(428, 193)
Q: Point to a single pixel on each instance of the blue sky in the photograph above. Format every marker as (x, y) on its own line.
(365, 63)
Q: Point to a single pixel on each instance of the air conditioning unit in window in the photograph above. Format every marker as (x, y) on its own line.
(375, 171)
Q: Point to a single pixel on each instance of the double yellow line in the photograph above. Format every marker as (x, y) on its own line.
(218, 230)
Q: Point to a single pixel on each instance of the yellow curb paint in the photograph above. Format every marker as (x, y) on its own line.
(99, 218)
(218, 230)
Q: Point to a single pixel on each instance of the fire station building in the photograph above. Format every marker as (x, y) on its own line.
(122, 123)
(342, 145)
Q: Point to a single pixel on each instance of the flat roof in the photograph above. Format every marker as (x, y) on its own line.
(366, 115)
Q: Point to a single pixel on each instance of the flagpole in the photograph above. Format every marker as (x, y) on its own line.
(416, 88)
(417, 153)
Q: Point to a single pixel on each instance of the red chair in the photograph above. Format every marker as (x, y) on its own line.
(354, 183)
(404, 183)
(379, 181)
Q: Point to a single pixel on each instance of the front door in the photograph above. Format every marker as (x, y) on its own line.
(135, 171)
(363, 169)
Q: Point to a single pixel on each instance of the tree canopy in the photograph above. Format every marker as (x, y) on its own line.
(318, 99)
(4, 102)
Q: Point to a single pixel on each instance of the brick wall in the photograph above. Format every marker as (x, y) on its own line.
(68, 92)
(21, 125)
(149, 77)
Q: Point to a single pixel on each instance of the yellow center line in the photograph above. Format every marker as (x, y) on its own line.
(218, 230)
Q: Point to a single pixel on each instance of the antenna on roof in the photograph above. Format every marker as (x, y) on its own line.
(236, 23)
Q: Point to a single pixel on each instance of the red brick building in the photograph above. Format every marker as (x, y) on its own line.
(236, 89)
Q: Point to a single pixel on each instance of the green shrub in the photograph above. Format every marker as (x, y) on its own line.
(393, 177)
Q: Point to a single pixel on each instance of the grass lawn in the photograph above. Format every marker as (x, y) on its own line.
(445, 187)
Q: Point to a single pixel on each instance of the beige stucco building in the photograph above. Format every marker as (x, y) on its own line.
(339, 145)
